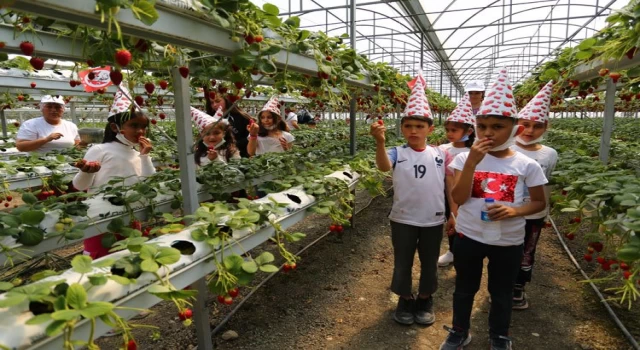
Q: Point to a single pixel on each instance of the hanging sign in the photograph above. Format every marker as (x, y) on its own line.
(95, 78)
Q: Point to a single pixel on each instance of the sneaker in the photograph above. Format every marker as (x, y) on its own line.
(519, 299)
(445, 259)
(500, 342)
(423, 313)
(404, 311)
(456, 340)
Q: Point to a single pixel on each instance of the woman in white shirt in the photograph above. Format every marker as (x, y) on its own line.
(269, 134)
(49, 132)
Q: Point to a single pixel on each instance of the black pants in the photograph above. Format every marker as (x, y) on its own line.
(504, 264)
(532, 235)
(406, 239)
(452, 239)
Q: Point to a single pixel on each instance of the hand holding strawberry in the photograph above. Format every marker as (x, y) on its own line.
(88, 167)
(145, 145)
(377, 131)
(253, 129)
(212, 154)
(283, 143)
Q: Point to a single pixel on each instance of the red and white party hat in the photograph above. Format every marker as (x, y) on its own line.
(122, 101)
(272, 106)
(418, 105)
(537, 109)
(499, 99)
(463, 113)
(203, 120)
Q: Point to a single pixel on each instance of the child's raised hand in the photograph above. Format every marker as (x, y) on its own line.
(212, 154)
(253, 129)
(499, 212)
(377, 130)
(145, 145)
(88, 167)
(479, 150)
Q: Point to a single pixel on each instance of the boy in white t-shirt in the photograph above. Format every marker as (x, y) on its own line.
(491, 171)
(418, 211)
(535, 119)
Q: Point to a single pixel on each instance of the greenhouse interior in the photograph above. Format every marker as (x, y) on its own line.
(200, 174)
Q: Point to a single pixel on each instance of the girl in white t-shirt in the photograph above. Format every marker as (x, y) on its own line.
(491, 172)
(269, 134)
(535, 120)
(115, 157)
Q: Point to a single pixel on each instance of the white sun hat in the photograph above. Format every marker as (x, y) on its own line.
(52, 99)
(475, 85)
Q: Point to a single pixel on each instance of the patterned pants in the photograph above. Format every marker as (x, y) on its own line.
(532, 235)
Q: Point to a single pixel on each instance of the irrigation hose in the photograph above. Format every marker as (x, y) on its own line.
(256, 288)
(613, 315)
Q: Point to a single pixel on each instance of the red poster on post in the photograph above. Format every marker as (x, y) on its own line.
(100, 78)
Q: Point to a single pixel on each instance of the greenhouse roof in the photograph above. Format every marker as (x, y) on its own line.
(457, 41)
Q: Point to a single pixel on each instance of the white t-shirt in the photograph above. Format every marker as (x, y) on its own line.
(269, 144)
(453, 151)
(38, 128)
(418, 183)
(291, 117)
(116, 160)
(204, 160)
(547, 157)
(503, 179)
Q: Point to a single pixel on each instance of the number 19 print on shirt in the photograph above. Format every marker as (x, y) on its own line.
(500, 187)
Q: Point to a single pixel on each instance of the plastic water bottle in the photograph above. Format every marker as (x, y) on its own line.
(491, 230)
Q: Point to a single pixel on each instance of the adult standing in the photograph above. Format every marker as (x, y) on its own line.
(476, 94)
(49, 132)
(238, 120)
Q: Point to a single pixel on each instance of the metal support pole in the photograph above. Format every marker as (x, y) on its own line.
(190, 196)
(352, 109)
(607, 128)
(4, 123)
(72, 111)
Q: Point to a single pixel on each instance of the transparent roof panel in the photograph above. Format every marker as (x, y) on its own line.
(456, 41)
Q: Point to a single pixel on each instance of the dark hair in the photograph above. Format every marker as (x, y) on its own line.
(499, 117)
(280, 124)
(418, 118)
(229, 147)
(235, 110)
(466, 127)
(119, 119)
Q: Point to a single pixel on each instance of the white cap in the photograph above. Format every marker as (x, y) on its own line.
(52, 99)
(475, 85)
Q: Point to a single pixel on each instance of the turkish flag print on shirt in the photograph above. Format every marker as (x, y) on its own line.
(501, 187)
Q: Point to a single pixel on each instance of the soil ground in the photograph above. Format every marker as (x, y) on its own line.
(339, 298)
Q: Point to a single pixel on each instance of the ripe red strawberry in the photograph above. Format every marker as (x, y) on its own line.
(235, 68)
(339, 228)
(16, 124)
(90, 63)
(185, 315)
(234, 292)
(632, 52)
(329, 58)
(20, 98)
(73, 83)
(142, 45)
(37, 63)
(139, 100)
(380, 122)
(212, 95)
(588, 257)
(33, 85)
(221, 299)
(239, 84)
(2, 44)
(162, 116)
(571, 236)
(222, 89)
(27, 48)
(287, 267)
(131, 345)
(603, 72)
(163, 84)
(154, 122)
(123, 57)
(626, 274)
(213, 82)
(9, 198)
(6, 205)
(228, 300)
(597, 246)
(600, 260)
(259, 38)
(623, 266)
(149, 87)
(247, 93)
(249, 39)
(116, 76)
(184, 71)
(615, 76)
(376, 88)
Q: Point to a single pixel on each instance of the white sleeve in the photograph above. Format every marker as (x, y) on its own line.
(289, 137)
(146, 165)
(458, 161)
(535, 175)
(82, 180)
(27, 132)
(552, 163)
(75, 132)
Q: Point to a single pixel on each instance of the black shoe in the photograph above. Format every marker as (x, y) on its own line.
(500, 342)
(423, 313)
(456, 340)
(519, 298)
(404, 311)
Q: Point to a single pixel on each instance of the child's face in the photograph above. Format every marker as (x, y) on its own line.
(496, 129)
(455, 131)
(267, 120)
(532, 130)
(219, 102)
(475, 97)
(135, 128)
(416, 132)
(213, 136)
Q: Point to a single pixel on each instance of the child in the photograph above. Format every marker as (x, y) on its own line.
(116, 157)
(216, 138)
(269, 134)
(418, 212)
(459, 127)
(534, 118)
(490, 182)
